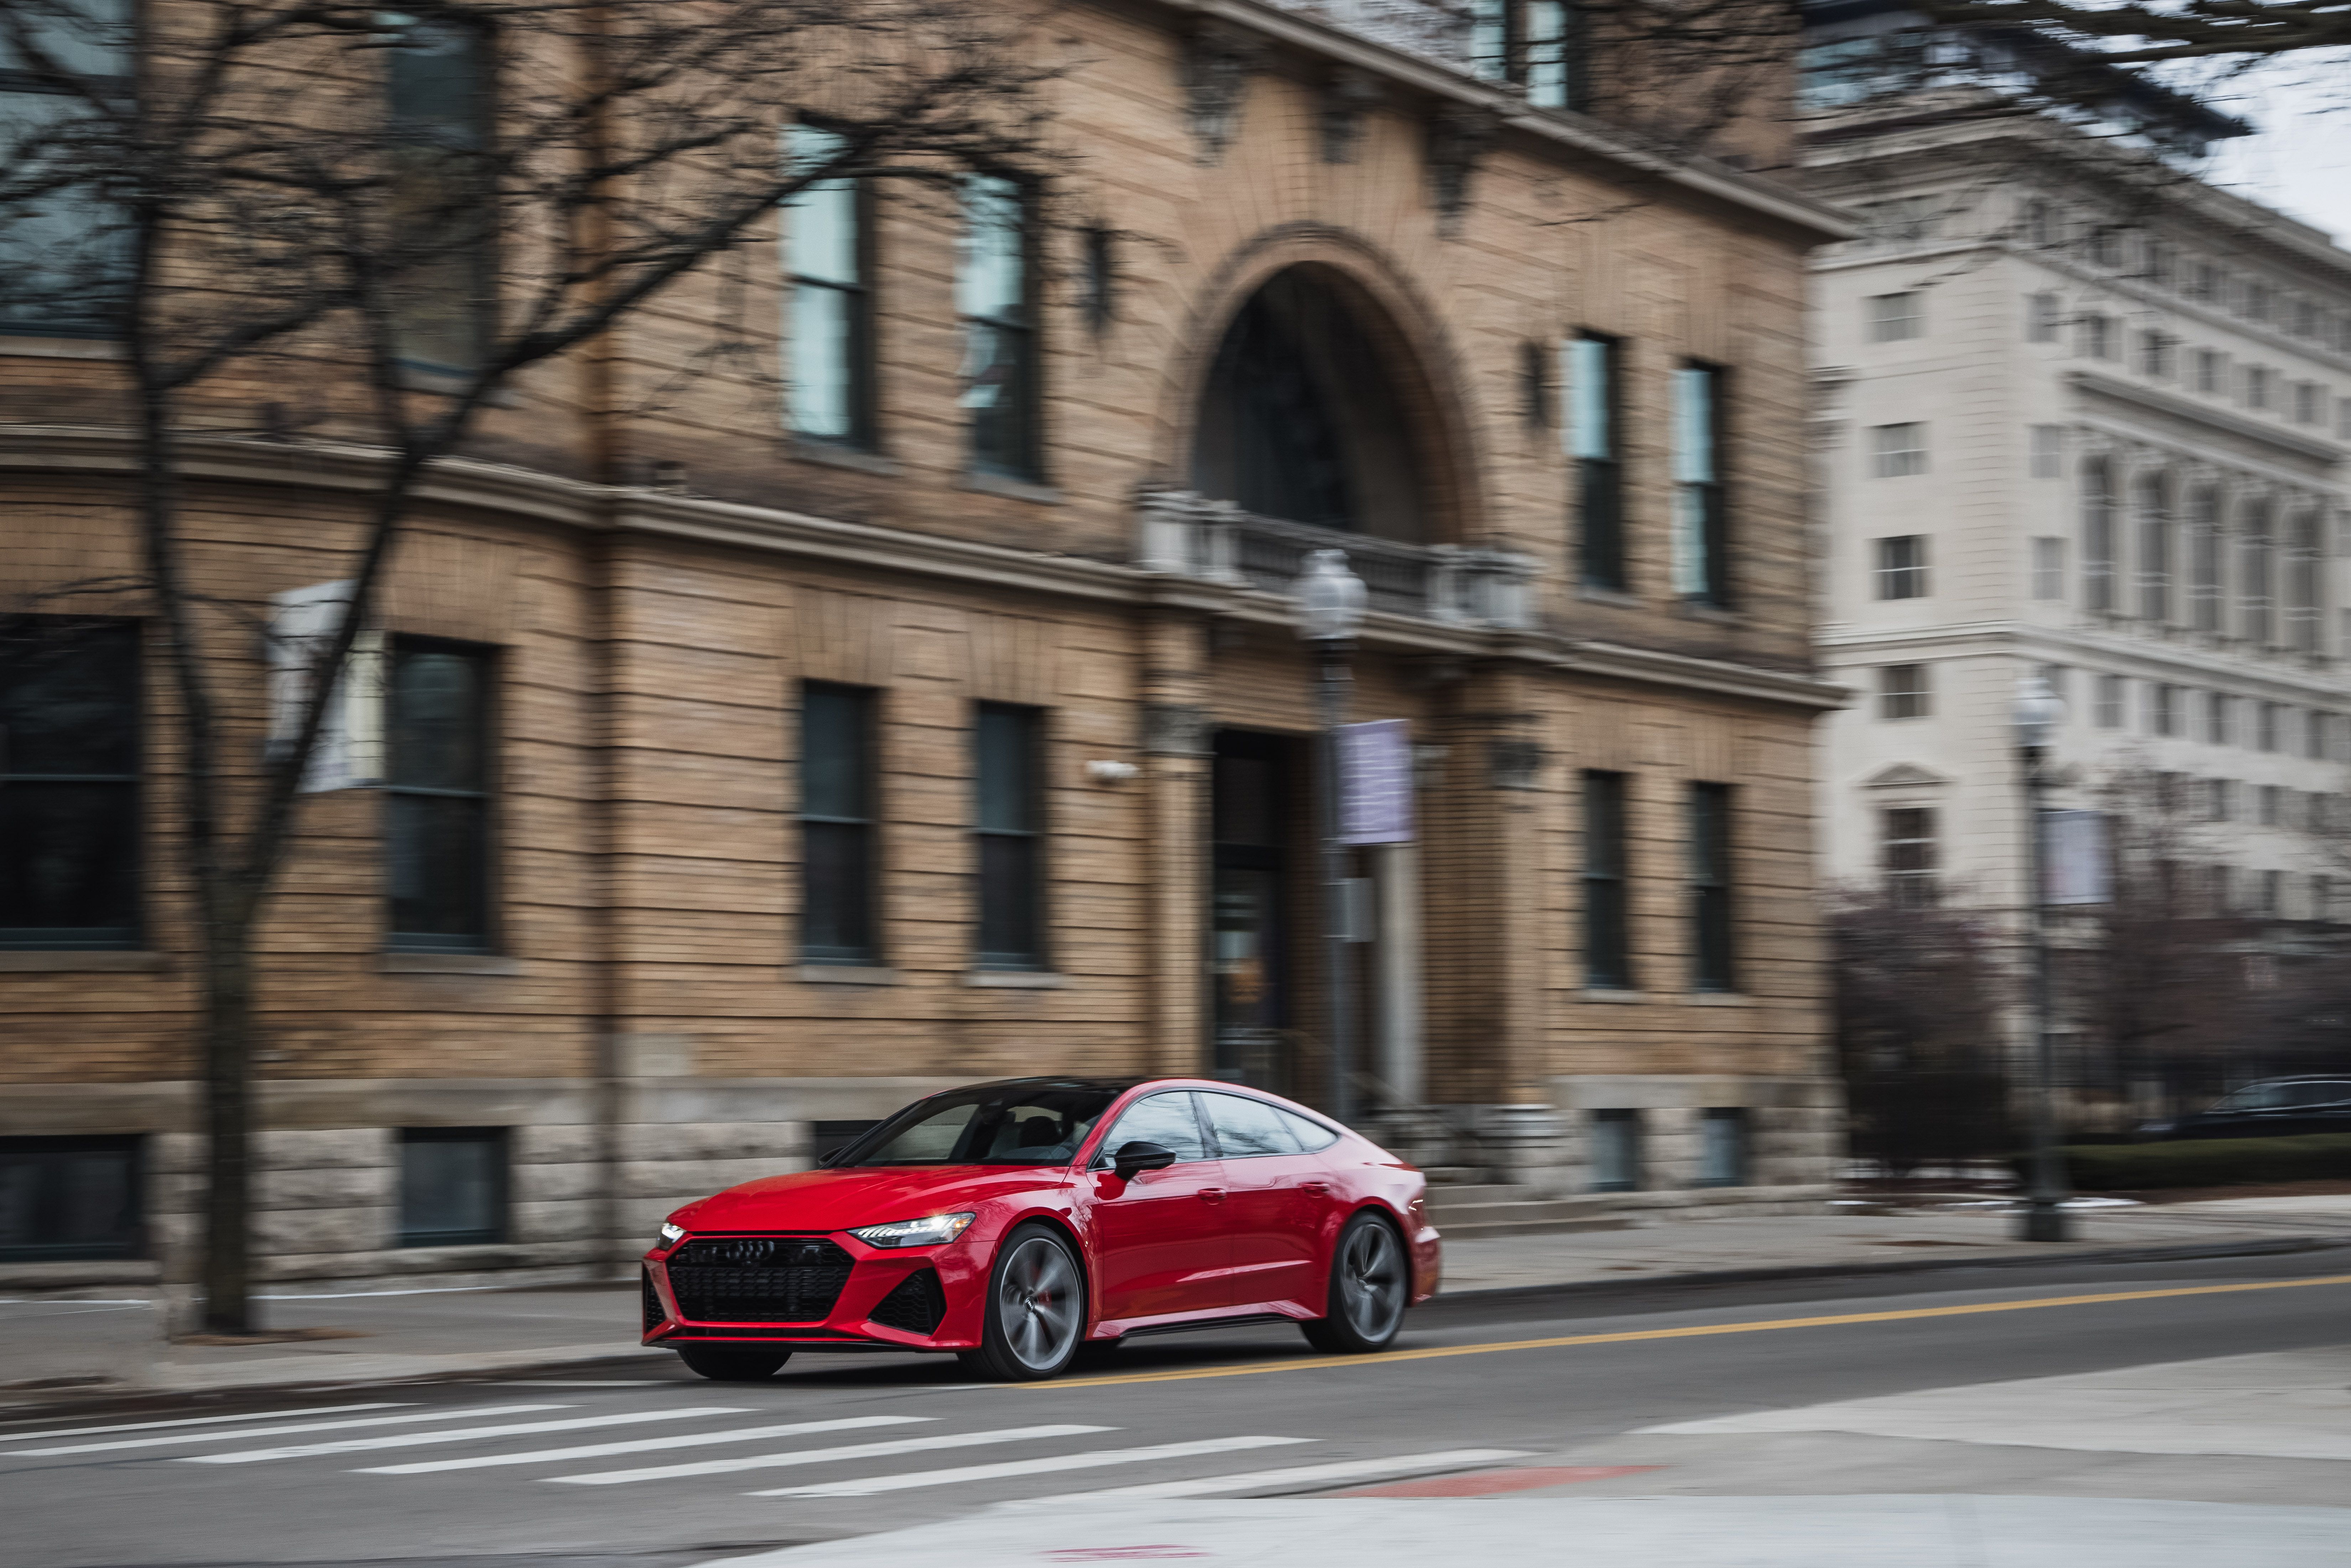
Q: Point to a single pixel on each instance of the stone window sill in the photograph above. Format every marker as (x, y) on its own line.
(1015, 979)
(1720, 998)
(1616, 596)
(846, 974)
(1610, 994)
(850, 457)
(30, 348)
(449, 963)
(84, 961)
(1018, 489)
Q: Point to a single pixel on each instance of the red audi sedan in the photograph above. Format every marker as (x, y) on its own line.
(1015, 1223)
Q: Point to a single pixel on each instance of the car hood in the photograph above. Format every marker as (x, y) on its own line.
(836, 1200)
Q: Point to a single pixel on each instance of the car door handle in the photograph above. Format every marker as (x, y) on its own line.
(1212, 1195)
(1318, 1188)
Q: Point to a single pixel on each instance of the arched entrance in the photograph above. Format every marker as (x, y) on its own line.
(1308, 413)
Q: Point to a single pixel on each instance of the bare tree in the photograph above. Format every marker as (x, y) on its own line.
(2195, 29)
(398, 215)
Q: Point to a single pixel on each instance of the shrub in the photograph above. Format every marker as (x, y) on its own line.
(2203, 1162)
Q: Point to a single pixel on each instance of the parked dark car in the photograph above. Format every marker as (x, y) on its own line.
(2272, 1108)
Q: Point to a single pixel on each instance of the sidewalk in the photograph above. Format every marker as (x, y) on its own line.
(109, 1344)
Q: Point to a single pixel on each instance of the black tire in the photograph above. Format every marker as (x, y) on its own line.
(733, 1366)
(1036, 1318)
(1371, 1282)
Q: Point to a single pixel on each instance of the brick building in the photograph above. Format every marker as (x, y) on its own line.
(747, 763)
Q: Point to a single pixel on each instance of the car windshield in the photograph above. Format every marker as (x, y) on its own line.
(2257, 1097)
(1007, 1125)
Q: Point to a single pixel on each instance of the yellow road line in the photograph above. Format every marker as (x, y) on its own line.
(1388, 1358)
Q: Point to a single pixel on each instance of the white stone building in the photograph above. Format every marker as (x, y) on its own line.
(2082, 414)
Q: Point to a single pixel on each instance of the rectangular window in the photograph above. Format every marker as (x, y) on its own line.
(1897, 451)
(2155, 355)
(2343, 414)
(1902, 691)
(2265, 726)
(2204, 282)
(453, 1185)
(1713, 963)
(1554, 59)
(2107, 711)
(2204, 560)
(2272, 808)
(996, 300)
(1590, 370)
(1607, 917)
(1616, 1151)
(2313, 737)
(2097, 537)
(2273, 894)
(2048, 569)
(2163, 717)
(2041, 318)
(2054, 677)
(2302, 583)
(2259, 299)
(436, 797)
(2048, 459)
(68, 1197)
(1008, 812)
(2309, 399)
(828, 359)
(2222, 800)
(70, 861)
(2258, 382)
(2211, 371)
(838, 862)
(1701, 526)
(1722, 1146)
(1894, 317)
(440, 88)
(2254, 620)
(1908, 843)
(2216, 718)
(1902, 566)
(2098, 337)
(2154, 549)
(64, 252)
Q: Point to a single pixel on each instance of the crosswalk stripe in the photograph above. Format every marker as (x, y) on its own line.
(867, 1486)
(824, 1456)
(279, 1431)
(456, 1435)
(207, 1420)
(1296, 1476)
(639, 1445)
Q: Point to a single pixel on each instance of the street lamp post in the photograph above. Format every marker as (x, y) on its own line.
(2035, 717)
(1330, 610)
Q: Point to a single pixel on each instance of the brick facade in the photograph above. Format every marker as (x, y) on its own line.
(645, 1022)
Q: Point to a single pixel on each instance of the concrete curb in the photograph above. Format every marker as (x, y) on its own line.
(2258, 1247)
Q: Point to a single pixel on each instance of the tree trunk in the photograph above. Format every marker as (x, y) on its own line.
(228, 1124)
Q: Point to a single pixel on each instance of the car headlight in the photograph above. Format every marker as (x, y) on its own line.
(928, 1232)
(672, 1233)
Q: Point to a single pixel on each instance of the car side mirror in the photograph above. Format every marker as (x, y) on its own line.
(1133, 1159)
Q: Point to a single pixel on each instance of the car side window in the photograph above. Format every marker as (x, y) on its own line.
(1246, 1128)
(1310, 1133)
(2323, 1093)
(1168, 1120)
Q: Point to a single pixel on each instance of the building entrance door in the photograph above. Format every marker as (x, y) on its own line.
(1249, 953)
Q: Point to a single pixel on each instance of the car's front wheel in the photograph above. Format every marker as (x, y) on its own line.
(734, 1366)
(1370, 1282)
(1036, 1308)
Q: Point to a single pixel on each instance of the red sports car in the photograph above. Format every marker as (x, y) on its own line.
(1014, 1223)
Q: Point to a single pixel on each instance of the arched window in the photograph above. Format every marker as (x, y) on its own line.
(1304, 418)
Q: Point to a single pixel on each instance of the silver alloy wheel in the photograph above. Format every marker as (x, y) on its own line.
(1371, 1282)
(1037, 1301)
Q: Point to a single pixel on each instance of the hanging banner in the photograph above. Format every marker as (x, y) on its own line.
(1375, 782)
(2076, 857)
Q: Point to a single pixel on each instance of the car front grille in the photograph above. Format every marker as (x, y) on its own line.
(653, 1313)
(914, 1305)
(758, 1279)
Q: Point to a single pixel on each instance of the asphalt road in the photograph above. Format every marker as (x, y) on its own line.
(1559, 1385)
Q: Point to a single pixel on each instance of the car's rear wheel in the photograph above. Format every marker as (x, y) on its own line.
(1036, 1308)
(1370, 1282)
(734, 1366)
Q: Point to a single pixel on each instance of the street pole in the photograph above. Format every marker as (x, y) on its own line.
(2036, 714)
(1332, 601)
(1331, 712)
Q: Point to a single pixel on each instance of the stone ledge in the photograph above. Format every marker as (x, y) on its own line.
(1015, 979)
(449, 964)
(77, 1273)
(81, 961)
(845, 975)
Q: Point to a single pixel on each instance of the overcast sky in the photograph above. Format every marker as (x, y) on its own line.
(2299, 161)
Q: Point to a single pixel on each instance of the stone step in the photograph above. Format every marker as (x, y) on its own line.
(1493, 1210)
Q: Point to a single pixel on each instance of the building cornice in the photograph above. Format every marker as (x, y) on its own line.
(2119, 654)
(1569, 132)
(2308, 448)
(583, 505)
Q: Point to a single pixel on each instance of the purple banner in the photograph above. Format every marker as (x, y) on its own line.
(1375, 782)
